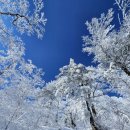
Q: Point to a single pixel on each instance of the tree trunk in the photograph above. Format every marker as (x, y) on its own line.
(92, 121)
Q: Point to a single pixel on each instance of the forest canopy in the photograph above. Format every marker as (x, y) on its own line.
(81, 97)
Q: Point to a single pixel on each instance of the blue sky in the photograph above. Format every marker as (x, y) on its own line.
(63, 36)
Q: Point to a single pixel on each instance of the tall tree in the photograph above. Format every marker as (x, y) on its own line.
(18, 78)
(111, 47)
(77, 101)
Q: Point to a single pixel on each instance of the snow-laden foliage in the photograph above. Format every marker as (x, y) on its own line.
(111, 47)
(27, 16)
(19, 15)
(80, 98)
(76, 101)
(18, 78)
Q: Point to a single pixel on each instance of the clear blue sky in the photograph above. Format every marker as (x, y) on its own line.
(63, 37)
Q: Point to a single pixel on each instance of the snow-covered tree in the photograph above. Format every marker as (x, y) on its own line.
(76, 100)
(111, 47)
(18, 78)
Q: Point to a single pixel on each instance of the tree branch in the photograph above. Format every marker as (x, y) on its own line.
(16, 15)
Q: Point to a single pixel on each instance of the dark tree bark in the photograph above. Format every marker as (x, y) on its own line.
(125, 70)
(72, 121)
(92, 121)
